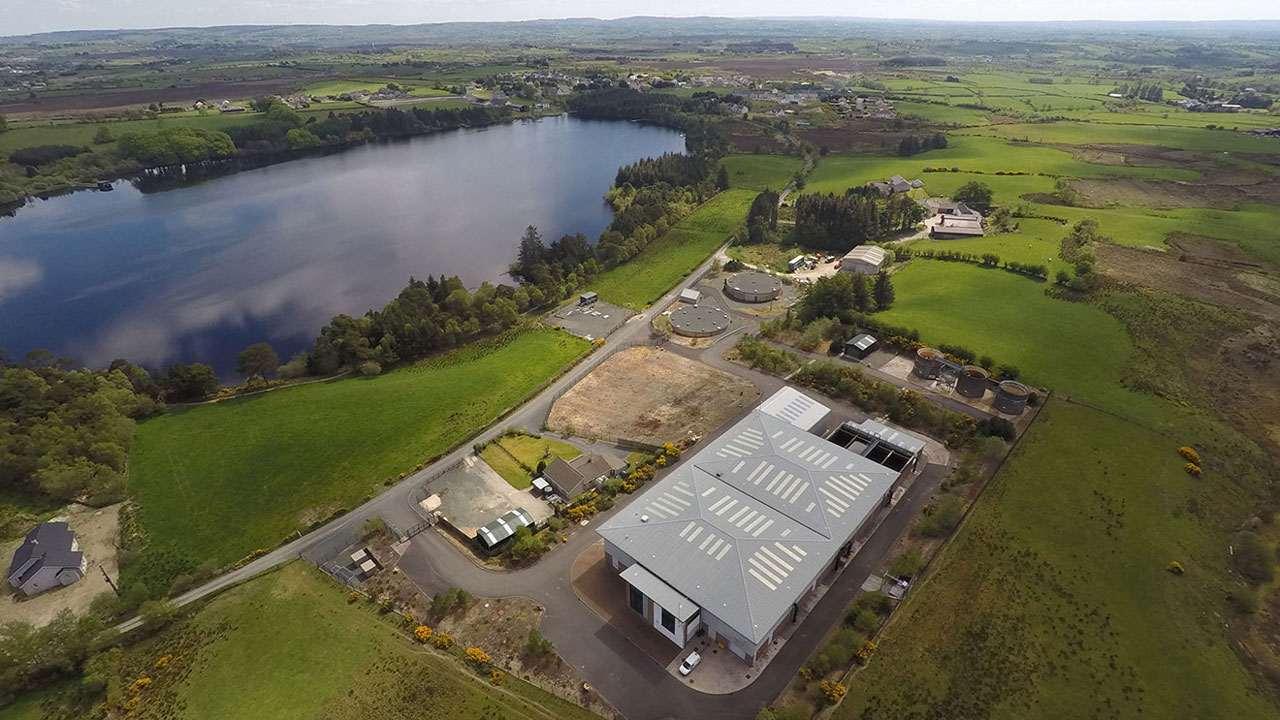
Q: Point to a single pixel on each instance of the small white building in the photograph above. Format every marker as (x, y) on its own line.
(864, 260)
(689, 295)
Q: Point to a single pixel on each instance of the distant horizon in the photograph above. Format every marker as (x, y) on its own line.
(70, 16)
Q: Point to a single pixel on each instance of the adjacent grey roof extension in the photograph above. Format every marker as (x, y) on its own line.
(572, 477)
(745, 525)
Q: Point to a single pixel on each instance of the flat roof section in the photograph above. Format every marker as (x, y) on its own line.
(695, 321)
(748, 286)
(663, 594)
(894, 438)
(796, 408)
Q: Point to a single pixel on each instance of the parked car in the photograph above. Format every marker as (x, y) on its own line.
(690, 663)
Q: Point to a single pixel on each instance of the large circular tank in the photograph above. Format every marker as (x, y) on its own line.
(927, 364)
(695, 321)
(753, 287)
(973, 381)
(1011, 397)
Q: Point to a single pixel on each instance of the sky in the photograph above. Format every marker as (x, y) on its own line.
(19, 17)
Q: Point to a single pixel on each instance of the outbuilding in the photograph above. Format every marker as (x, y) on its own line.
(689, 295)
(864, 260)
(859, 346)
(498, 531)
(588, 298)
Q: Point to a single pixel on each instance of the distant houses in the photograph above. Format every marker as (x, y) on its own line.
(896, 185)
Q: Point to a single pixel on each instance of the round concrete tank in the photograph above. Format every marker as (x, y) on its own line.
(753, 287)
(927, 365)
(1011, 397)
(972, 382)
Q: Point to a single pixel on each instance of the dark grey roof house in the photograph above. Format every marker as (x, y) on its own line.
(49, 557)
(576, 476)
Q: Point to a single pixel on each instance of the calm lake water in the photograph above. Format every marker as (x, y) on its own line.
(196, 274)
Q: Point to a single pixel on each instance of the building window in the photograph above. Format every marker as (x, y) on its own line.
(668, 621)
(637, 600)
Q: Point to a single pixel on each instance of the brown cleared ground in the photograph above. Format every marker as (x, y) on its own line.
(651, 396)
(1200, 268)
(96, 529)
(1164, 194)
(750, 137)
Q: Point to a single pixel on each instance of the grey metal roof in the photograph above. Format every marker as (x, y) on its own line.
(743, 526)
(894, 438)
(795, 407)
(862, 342)
(652, 586)
(504, 527)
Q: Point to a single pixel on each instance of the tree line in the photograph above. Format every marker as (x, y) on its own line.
(841, 222)
(913, 145)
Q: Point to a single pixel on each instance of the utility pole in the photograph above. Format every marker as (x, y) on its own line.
(107, 577)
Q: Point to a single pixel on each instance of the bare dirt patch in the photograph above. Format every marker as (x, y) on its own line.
(1162, 194)
(750, 137)
(96, 529)
(125, 98)
(651, 396)
(1198, 268)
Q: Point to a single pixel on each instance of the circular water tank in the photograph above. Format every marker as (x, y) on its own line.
(1011, 397)
(753, 287)
(972, 382)
(927, 365)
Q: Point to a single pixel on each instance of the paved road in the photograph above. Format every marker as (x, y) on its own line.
(394, 504)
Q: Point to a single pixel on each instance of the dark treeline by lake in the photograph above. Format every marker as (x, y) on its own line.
(197, 273)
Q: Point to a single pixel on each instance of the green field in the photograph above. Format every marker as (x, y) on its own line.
(671, 257)
(527, 450)
(761, 172)
(1185, 138)
(217, 481)
(1054, 601)
(835, 174)
(1073, 348)
(288, 645)
(1036, 242)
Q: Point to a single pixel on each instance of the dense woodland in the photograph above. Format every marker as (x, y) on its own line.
(862, 214)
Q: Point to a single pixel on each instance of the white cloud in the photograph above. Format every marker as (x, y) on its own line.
(17, 275)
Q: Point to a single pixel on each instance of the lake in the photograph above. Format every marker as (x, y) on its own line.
(197, 273)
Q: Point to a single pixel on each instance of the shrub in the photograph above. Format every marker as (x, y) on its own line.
(833, 691)
(1243, 600)
(1189, 454)
(862, 620)
(948, 513)
(555, 524)
(536, 645)
(423, 633)
(997, 427)
(495, 677)
(444, 641)
(1192, 468)
(1252, 558)
(907, 564)
(1176, 568)
(875, 601)
(477, 657)
(863, 656)
(369, 367)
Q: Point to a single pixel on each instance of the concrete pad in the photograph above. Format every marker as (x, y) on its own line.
(473, 495)
(593, 321)
(600, 588)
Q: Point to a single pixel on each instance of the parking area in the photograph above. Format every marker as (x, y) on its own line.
(592, 321)
(472, 495)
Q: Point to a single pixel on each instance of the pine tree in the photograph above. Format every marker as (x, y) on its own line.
(861, 297)
(883, 291)
(722, 179)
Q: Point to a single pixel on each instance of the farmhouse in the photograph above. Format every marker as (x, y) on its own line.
(957, 226)
(735, 538)
(864, 260)
(585, 472)
(895, 185)
(49, 557)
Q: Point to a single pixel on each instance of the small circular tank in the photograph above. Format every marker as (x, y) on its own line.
(972, 382)
(1011, 397)
(927, 365)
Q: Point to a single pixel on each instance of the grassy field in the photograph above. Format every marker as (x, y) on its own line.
(835, 174)
(761, 172)
(288, 645)
(1074, 348)
(669, 258)
(1054, 600)
(524, 450)
(1186, 138)
(1036, 242)
(217, 481)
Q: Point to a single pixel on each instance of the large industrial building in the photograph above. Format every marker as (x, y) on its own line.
(733, 540)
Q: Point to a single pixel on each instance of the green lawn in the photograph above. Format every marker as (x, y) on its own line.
(527, 450)
(835, 174)
(1082, 133)
(288, 646)
(219, 480)
(1054, 601)
(668, 259)
(761, 172)
(1036, 242)
(1073, 348)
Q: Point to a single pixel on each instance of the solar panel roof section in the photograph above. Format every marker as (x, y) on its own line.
(744, 525)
